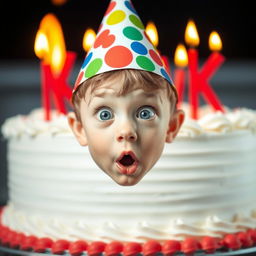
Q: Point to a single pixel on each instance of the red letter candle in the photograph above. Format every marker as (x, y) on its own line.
(198, 80)
(56, 64)
(181, 62)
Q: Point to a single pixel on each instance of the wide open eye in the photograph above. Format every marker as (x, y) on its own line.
(104, 114)
(146, 113)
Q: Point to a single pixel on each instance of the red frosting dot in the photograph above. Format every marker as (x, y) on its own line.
(252, 234)
(17, 240)
(114, 248)
(118, 57)
(151, 247)
(4, 233)
(29, 243)
(42, 244)
(170, 247)
(96, 248)
(231, 241)
(209, 244)
(9, 237)
(77, 247)
(156, 57)
(60, 246)
(244, 239)
(190, 245)
(132, 248)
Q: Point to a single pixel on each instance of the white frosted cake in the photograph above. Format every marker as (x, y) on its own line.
(203, 187)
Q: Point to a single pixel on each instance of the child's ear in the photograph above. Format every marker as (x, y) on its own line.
(174, 125)
(77, 128)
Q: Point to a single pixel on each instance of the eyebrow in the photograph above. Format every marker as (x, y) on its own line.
(149, 95)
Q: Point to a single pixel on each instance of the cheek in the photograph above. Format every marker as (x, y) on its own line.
(153, 141)
(99, 141)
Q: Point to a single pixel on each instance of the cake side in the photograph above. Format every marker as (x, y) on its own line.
(203, 185)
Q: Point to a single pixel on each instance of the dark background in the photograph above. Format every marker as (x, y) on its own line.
(234, 20)
(234, 82)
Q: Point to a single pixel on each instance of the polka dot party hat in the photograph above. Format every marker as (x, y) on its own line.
(121, 43)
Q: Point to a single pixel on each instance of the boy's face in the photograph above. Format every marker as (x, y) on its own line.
(125, 134)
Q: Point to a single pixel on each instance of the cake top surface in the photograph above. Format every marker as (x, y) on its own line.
(209, 123)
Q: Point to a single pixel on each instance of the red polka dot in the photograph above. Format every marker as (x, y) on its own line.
(78, 80)
(118, 57)
(104, 39)
(110, 8)
(155, 57)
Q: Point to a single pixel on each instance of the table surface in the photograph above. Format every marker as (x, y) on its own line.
(245, 252)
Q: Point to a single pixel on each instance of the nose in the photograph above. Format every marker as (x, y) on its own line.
(126, 133)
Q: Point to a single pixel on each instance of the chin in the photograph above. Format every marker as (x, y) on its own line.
(126, 180)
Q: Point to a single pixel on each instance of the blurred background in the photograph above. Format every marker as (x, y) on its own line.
(234, 82)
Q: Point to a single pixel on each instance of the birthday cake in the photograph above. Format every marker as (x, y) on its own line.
(200, 194)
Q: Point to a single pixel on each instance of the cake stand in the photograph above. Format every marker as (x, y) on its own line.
(4, 251)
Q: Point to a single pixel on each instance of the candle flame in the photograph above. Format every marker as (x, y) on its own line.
(215, 43)
(88, 39)
(58, 2)
(56, 57)
(49, 43)
(151, 31)
(181, 56)
(41, 46)
(191, 34)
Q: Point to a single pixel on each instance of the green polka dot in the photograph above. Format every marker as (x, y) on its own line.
(136, 21)
(93, 68)
(116, 17)
(145, 63)
(132, 33)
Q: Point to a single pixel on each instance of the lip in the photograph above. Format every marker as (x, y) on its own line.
(127, 170)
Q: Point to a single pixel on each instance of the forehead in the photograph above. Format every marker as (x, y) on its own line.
(119, 87)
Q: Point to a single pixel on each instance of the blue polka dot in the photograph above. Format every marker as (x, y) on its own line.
(166, 76)
(130, 7)
(139, 48)
(87, 60)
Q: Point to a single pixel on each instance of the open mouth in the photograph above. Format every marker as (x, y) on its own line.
(127, 163)
(126, 160)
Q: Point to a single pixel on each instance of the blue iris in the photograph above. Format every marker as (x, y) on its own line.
(146, 113)
(104, 115)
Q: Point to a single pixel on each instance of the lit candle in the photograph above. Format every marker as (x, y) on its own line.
(192, 39)
(199, 80)
(152, 34)
(88, 39)
(214, 61)
(181, 62)
(56, 64)
(41, 49)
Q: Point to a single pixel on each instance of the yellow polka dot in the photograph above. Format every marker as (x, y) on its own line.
(116, 17)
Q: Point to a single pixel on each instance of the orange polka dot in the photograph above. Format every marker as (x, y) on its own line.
(104, 39)
(78, 80)
(155, 57)
(118, 57)
(110, 8)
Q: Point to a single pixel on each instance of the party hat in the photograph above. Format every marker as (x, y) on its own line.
(121, 43)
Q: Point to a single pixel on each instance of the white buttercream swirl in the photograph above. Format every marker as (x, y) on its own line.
(209, 122)
(243, 119)
(190, 128)
(34, 124)
(177, 229)
(215, 122)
